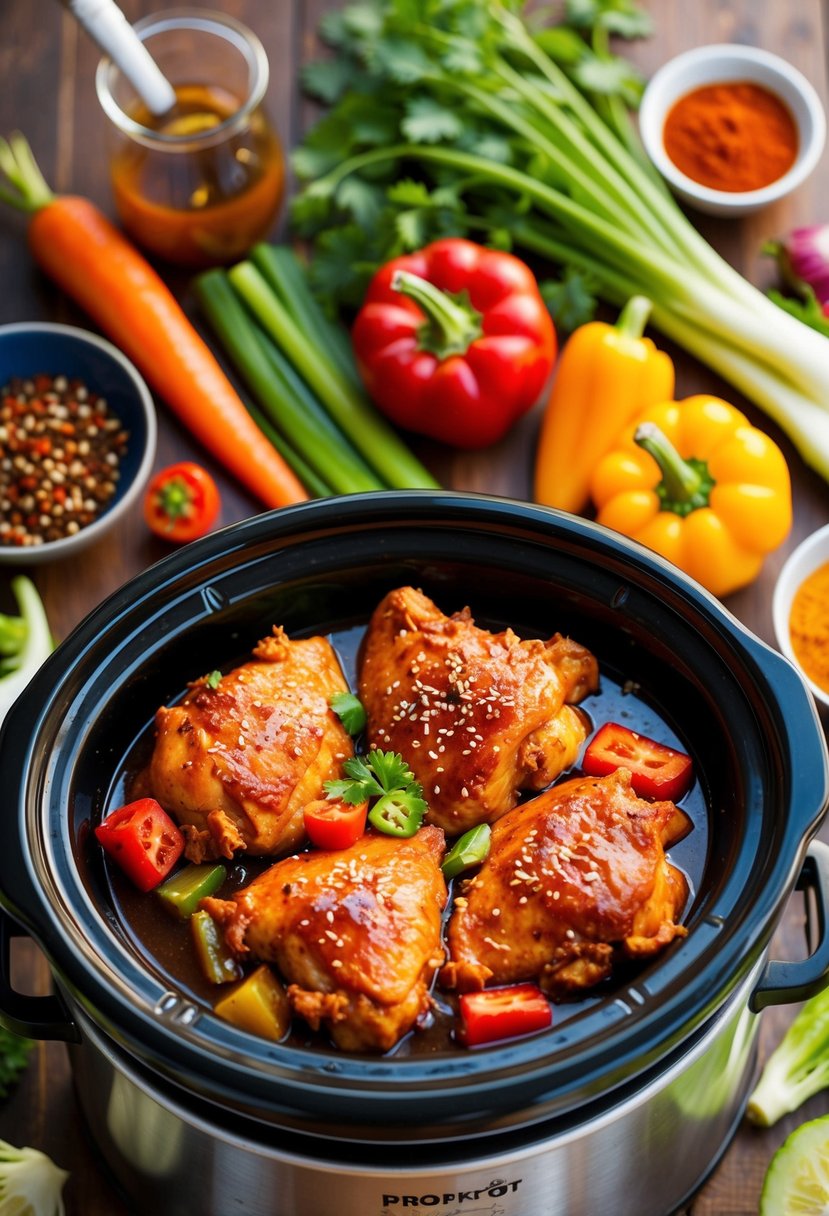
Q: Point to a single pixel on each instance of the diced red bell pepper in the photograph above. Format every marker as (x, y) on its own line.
(144, 841)
(332, 824)
(502, 1013)
(657, 771)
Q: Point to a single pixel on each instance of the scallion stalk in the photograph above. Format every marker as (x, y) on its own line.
(313, 437)
(283, 270)
(373, 437)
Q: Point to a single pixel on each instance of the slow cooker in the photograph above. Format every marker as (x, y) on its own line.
(626, 1102)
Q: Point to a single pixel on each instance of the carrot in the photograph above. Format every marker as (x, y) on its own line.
(86, 255)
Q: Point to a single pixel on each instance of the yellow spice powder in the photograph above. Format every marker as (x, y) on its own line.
(809, 626)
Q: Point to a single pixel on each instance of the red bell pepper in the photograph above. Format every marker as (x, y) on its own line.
(656, 771)
(454, 342)
(502, 1013)
(144, 841)
(334, 825)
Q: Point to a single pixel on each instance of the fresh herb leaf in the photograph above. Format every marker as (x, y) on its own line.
(807, 309)
(350, 710)
(212, 681)
(358, 785)
(609, 77)
(327, 79)
(570, 299)
(430, 122)
(386, 777)
(14, 1057)
(621, 17)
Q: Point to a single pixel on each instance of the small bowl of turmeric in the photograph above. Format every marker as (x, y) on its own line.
(800, 611)
(731, 128)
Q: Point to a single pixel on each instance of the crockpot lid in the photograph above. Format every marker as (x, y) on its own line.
(311, 561)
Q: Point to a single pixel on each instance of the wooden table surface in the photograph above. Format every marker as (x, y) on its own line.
(47, 68)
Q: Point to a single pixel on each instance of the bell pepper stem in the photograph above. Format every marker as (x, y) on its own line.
(686, 484)
(634, 317)
(451, 324)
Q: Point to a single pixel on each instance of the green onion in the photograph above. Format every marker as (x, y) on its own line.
(373, 437)
(313, 436)
(288, 278)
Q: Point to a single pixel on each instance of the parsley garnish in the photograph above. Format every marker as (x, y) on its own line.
(385, 776)
(212, 681)
(350, 710)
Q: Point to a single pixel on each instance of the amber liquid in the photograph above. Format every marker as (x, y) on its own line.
(199, 206)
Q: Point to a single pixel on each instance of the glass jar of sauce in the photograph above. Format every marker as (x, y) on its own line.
(196, 186)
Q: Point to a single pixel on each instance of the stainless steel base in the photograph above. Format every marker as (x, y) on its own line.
(641, 1157)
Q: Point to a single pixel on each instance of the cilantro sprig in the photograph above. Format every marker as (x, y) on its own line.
(350, 710)
(386, 779)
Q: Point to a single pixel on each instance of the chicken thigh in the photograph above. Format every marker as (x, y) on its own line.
(573, 878)
(237, 760)
(478, 716)
(355, 933)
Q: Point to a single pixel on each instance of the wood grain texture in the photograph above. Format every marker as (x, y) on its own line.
(47, 69)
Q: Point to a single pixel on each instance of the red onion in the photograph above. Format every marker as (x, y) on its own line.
(803, 258)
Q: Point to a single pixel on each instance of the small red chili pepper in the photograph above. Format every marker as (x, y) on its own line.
(502, 1013)
(455, 342)
(656, 771)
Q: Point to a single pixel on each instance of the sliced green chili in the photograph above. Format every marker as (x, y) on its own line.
(468, 851)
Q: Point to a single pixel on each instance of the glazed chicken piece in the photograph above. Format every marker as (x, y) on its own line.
(574, 878)
(355, 933)
(479, 716)
(237, 763)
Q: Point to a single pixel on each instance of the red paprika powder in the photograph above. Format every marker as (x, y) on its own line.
(734, 136)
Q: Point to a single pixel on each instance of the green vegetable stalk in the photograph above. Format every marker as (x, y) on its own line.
(797, 1068)
(460, 117)
(33, 645)
(30, 1182)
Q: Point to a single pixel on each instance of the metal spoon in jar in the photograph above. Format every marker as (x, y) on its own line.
(109, 28)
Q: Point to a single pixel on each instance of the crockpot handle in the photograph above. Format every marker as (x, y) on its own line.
(33, 1017)
(784, 983)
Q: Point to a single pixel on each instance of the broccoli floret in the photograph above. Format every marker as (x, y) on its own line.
(797, 1068)
(30, 1183)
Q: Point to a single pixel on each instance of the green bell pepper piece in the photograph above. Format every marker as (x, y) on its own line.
(182, 892)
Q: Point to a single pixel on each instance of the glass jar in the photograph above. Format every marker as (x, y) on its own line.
(200, 184)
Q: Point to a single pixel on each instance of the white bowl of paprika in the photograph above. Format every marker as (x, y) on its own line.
(800, 611)
(731, 128)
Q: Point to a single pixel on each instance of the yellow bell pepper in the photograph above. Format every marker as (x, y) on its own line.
(259, 1005)
(606, 375)
(694, 481)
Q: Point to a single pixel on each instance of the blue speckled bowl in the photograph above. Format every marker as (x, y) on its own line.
(29, 348)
